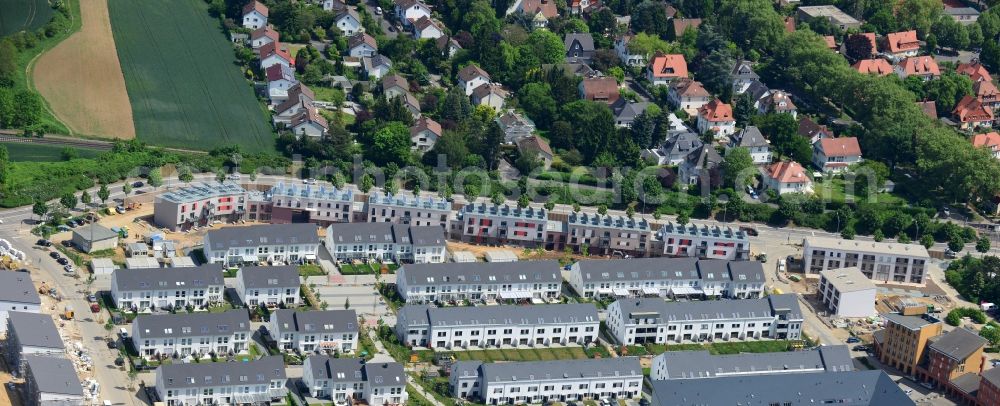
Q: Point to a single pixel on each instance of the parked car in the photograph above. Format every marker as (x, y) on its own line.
(66, 243)
(112, 343)
(233, 176)
(948, 253)
(118, 361)
(44, 243)
(378, 10)
(62, 261)
(54, 255)
(138, 184)
(68, 268)
(852, 340)
(95, 308)
(92, 298)
(860, 348)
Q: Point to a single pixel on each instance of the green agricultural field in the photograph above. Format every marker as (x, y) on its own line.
(18, 15)
(184, 86)
(23, 152)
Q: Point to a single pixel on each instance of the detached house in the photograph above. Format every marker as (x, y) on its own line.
(987, 93)
(990, 140)
(515, 126)
(448, 46)
(579, 46)
(787, 177)
(335, 6)
(540, 11)
(683, 24)
(601, 89)
(280, 78)
(755, 143)
(701, 166)
(836, 154)
(924, 67)
(471, 77)
(425, 27)
(675, 149)
(538, 148)
(326, 330)
(626, 112)
(778, 101)
(666, 68)
(349, 22)
(971, 113)
(424, 134)
(376, 66)
(362, 45)
(975, 71)
(309, 123)
(688, 95)
(879, 67)
(254, 15)
(901, 45)
(270, 286)
(271, 53)
(626, 55)
(263, 35)
(490, 94)
(813, 131)
(716, 117)
(394, 86)
(408, 11)
(743, 76)
(299, 98)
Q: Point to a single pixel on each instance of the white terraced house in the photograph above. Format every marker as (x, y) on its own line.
(403, 209)
(345, 380)
(287, 243)
(185, 334)
(667, 277)
(546, 381)
(17, 293)
(463, 327)
(144, 290)
(224, 383)
(272, 286)
(327, 330)
(652, 320)
(524, 280)
(386, 242)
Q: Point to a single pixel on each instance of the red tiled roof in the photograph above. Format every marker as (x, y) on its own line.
(787, 172)
(535, 143)
(546, 7)
(426, 123)
(681, 24)
(274, 48)
(986, 91)
(789, 24)
(716, 110)
(929, 108)
(470, 72)
(831, 42)
(990, 140)
(690, 88)
(902, 41)
(311, 114)
(255, 6)
(975, 70)
(876, 66)
(668, 66)
(871, 37)
(843, 146)
(602, 88)
(920, 65)
(265, 32)
(277, 72)
(970, 109)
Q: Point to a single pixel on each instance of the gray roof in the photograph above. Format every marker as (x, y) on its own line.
(703, 159)
(630, 110)
(787, 302)
(34, 330)
(501, 315)
(201, 191)
(466, 369)
(665, 311)
(481, 272)
(385, 233)
(911, 322)
(57, 375)
(750, 137)
(968, 383)
(960, 11)
(585, 39)
(384, 374)
(681, 143)
(757, 90)
(992, 376)
(195, 375)
(167, 278)
(958, 344)
(94, 232)
(192, 324)
(337, 369)
(16, 287)
(643, 269)
(701, 364)
(269, 276)
(858, 388)
(268, 234)
(577, 368)
(334, 321)
(743, 70)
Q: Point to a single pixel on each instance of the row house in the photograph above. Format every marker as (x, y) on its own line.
(653, 320)
(537, 382)
(198, 334)
(707, 242)
(294, 203)
(673, 365)
(143, 290)
(30, 334)
(17, 293)
(51, 381)
(386, 242)
(485, 223)
(667, 277)
(258, 381)
(523, 280)
(274, 243)
(408, 209)
(348, 380)
(271, 286)
(463, 327)
(607, 234)
(199, 204)
(882, 262)
(326, 330)
(856, 388)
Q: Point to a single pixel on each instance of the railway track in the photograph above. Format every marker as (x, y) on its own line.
(63, 141)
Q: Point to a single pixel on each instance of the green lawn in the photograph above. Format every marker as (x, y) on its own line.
(23, 15)
(350, 269)
(219, 308)
(527, 354)
(311, 270)
(184, 87)
(835, 190)
(20, 151)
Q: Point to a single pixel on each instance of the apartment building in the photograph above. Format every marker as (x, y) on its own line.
(387, 242)
(653, 320)
(667, 277)
(902, 344)
(485, 223)
(346, 380)
(489, 281)
(712, 242)
(855, 388)
(51, 381)
(298, 203)
(274, 243)
(17, 293)
(143, 290)
(326, 330)
(184, 334)
(951, 356)
(989, 388)
(545, 381)
(402, 209)
(30, 334)
(272, 286)
(474, 327)
(882, 262)
(847, 292)
(703, 365)
(199, 204)
(607, 234)
(259, 381)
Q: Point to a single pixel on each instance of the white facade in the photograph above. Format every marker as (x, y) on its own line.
(287, 243)
(462, 327)
(344, 380)
(270, 286)
(323, 204)
(386, 242)
(881, 262)
(544, 381)
(326, 330)
(423, 140)
(423, 283)
(473, 82)
(721, 128)
(348, 24)
(254, 20)
(187, 334)
(362, 50)
(409, 11)
(667, 277)
(625, 55)
(403, 209)
(17, 293)
(255, 382)
(847, 292)
(274, 59)
(149, 289)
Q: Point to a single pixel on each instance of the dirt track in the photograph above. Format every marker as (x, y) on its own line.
(82, 80)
